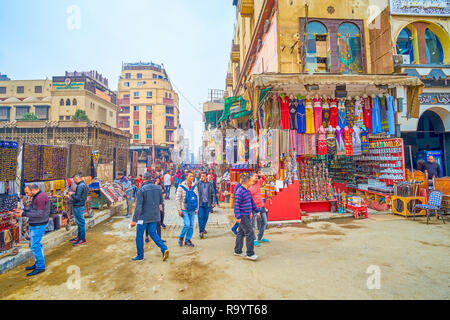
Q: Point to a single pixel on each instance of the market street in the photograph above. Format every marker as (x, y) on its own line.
(325, 260)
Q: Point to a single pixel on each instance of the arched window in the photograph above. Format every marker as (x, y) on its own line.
(61, 102)
(68, 102)
(318, 57)
(435, 54)
(405, 44)
(349, 48)
(74, 102)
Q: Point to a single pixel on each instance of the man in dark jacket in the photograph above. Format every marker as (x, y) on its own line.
(38, 214)
(205, 201)
(434, 170)
(147, 214)
(79, 198)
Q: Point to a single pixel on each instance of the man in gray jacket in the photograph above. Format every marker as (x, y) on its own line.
(149, 200)
(38, 214)
(206, 196)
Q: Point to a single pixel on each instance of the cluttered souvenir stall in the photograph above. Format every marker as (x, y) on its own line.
(328, 143)
(9, 227)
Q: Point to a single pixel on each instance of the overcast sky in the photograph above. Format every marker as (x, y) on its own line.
(192, 38)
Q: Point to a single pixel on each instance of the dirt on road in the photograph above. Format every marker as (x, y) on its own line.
(321, 260)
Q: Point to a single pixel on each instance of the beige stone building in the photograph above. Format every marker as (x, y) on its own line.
(58, 99)
(148, 107)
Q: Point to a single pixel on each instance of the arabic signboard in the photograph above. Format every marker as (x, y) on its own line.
(420, 7)
(435, 98)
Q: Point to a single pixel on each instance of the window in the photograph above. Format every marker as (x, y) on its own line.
(155, 76)
(318, 55)
(170, 96)
(20, 89)
(68, 102)
(4, 114)
(149, 94)
(2, 89)
(169, 136)
(165, 95)
(41, 112)
(149, 123)
(349, 48)
(149, 136)
(136, 94)
(140, 84)
(136, 108)
(405, 44)
(159, 77)
(139, 75)
(127, 75)
(74, 102)
(21, 111)
(169, 110)
(136, 122)
(126, 84)
(169, 122)
(110, 114)
(61, 102)
(126, 109)
(67, 117)
(149, 108)
(126, 96)
(136, 137)
(435, 54)
(61, 118)
(37, 89)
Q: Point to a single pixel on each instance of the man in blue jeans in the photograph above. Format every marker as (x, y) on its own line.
(206, 200)
(182, 207)
(147, 214)
(79, 198)
(38, 214)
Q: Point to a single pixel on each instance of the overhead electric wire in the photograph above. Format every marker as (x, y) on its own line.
(192, 105)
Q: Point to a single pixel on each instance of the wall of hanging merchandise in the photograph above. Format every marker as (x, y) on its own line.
(121, 160)
(80, 160)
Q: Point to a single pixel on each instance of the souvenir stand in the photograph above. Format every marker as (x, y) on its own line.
(105, 194)
(9, 200)
(328, 141)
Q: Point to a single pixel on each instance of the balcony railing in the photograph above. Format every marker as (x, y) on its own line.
(246, 8)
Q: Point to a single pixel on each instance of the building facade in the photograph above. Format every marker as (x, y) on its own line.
(58, 99)
(148, 107)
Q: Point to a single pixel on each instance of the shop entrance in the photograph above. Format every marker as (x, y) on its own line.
(430, 136)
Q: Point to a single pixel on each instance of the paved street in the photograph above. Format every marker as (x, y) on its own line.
(326, 259)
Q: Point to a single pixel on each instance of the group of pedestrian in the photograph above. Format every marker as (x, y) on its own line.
(249, 211)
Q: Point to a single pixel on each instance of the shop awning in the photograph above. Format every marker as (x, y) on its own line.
(226, 109)
(235, 106)
(276, 79)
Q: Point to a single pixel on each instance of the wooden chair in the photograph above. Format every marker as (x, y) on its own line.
(443, 185)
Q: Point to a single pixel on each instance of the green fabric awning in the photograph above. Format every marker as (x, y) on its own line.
(226, 110)
(233, 101)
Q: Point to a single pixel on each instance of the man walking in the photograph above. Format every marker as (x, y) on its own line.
(79, 198)
(206, 201)
(128, 188)
(167, 184)
(261, 217)
(38, 214)
(244, 206)
(149, 200)
(187, 205)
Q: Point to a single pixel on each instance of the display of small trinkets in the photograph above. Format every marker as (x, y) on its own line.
(315, 183)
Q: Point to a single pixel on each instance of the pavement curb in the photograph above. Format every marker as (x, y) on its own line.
(55, 238)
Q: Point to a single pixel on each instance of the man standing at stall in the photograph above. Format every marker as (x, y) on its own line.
(79, 198)
(433, 169)
(147, 214)
(38, 214)
(244, 206)
(206, 202)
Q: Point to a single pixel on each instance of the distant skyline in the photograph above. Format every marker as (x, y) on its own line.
(191, 38)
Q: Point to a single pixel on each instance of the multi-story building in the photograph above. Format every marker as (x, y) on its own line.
(413, 38)
(58, 99)
(213, 108)
(148, 107)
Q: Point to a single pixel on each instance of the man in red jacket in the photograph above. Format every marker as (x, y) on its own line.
(255, 190)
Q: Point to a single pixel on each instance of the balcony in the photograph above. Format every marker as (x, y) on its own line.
(235, 53)
(229, 79)
(125, 102)
(246, 8)
(169, 127)
(168, 101)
